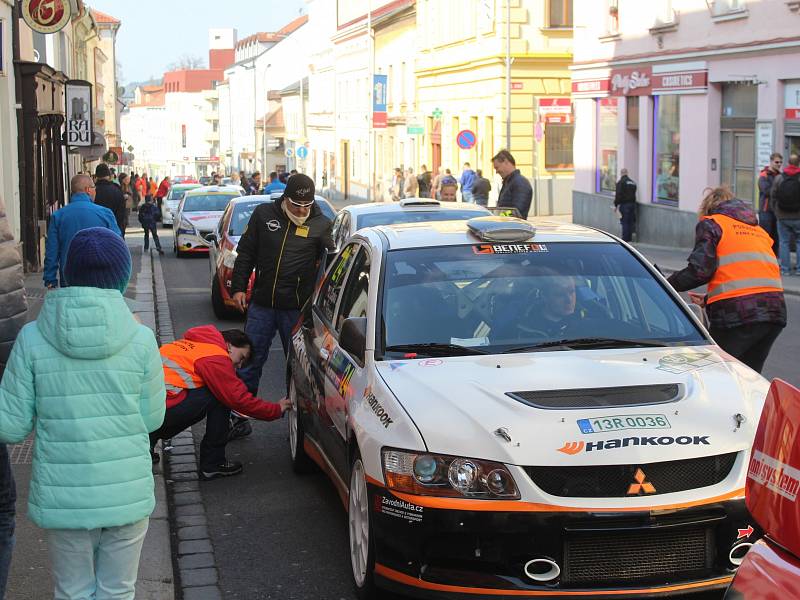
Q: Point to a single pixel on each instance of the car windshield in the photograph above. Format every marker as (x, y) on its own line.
(241, 217)
(525, 297)
(177, 194)
(210, 202)
(416, 216)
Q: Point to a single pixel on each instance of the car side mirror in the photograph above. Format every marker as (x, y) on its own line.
(353, 338)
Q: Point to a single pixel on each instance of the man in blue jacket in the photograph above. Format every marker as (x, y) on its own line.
(80, 213)
(467, 181)
(275, 186)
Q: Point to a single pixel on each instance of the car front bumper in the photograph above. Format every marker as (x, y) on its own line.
(444, 553)
(191, 242)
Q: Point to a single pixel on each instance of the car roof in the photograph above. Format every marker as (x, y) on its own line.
(456, 233)
(407, 205)
(213, 189)
(185, 186)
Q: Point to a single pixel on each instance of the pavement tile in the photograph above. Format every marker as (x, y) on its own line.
(202, 593)
(185, 486)
(185, 441)
(195, 547)
(187, 498)
(191, 521)
(182, 450)
(189, 509)
(196, 532)
(184, 477)
(196, 561)
(190, 467)
(198, 577)
(182, 459)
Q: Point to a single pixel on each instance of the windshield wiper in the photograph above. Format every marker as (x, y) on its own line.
(589, 342)
(434, 349)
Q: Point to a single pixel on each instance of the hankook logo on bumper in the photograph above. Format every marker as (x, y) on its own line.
(573, 448)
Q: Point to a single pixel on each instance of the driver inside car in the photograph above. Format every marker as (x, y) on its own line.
(557, 315)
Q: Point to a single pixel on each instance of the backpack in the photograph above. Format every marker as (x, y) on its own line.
(788, 193)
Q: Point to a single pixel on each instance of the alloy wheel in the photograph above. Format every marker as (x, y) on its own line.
(358, 520)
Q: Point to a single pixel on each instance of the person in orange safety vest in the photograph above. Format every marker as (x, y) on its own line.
(733, 255)
(201, 381)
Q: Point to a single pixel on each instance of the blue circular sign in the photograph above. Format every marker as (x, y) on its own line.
(466, 139)
(302, 152)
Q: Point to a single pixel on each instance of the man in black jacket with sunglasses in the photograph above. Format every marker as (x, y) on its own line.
(284, 242)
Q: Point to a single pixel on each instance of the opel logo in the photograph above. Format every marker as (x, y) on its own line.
(273, 225)
(640, 485)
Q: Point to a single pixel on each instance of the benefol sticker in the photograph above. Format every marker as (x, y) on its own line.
(525, 248)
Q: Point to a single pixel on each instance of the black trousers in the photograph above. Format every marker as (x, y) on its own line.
(199, 403)
(151, 229)
(627, 213)
(749, 343)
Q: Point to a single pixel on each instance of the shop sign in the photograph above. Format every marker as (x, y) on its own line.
(379, 89)
(79, 113)
(688, 77)
(516, 85)
(590, 87)
(46, 16)
(791, 101)
(555, 110)
(631, 82)
(765, 142)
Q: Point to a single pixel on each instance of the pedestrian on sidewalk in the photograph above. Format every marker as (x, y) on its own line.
(274, 186)
(481, 189)
(142, 187)
(152, 188)
(448, 192)
(163, 190)
(424, 182)
(149, 216)
(284, 242)
(410, 186)
(625, 203)
(201, 380)
(766, 212)
(127, 193)
(110, 195)
(785, 193)
(467, 180)
(516, 191)
(733, 255)
(396, 190)
(134, 187)
(80, 213)
(254, 186)
(88, 376)
(13, 310)
(436, 184)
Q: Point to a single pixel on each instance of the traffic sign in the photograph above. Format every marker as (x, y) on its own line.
(289, 152)
(466, 139)
(302, 153)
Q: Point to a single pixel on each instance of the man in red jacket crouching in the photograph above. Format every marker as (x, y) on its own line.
(201, 381)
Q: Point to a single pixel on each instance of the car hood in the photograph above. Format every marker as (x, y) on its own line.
(458, 403)
(205, 220)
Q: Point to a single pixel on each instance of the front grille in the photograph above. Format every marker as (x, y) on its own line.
(636, 556)
(614, 481)
(632, 395)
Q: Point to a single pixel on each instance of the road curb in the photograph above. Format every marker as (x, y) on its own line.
(192, 550)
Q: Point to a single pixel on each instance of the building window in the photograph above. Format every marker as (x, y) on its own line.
(612, 21)
(558, 145)
(632, 113)
(666, 159)
(560, 13)
(724, 7)
(607, 144)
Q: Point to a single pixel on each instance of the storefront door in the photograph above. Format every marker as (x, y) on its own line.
(738, 163)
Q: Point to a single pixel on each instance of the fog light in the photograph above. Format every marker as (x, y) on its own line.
(462, 474)
(425, 468)
(499, 482)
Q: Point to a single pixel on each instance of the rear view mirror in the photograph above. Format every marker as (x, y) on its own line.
(353, 338)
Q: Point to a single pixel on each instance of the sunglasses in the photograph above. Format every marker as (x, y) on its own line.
(300, 204)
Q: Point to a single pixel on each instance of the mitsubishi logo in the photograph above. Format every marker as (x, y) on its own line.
(641, 486)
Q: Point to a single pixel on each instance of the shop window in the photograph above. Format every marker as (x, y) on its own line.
(632, 113)
(558, 145)
(560, 13)
(666, 159)
(607, 144)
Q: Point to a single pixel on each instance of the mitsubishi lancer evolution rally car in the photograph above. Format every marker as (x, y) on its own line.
(509, 412)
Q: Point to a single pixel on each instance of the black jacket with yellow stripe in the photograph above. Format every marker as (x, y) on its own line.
(284, 256)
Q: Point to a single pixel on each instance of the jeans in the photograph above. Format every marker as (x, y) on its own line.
(627, 218)
(481, 201)
(96, 564)
(151, 229)
(787, 228)
(749, 343)
(8, 498)
(466, 196)
(769, 224)
(261, 325)
(199, 403)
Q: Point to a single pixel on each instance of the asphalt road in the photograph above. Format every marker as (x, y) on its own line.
(278, 535)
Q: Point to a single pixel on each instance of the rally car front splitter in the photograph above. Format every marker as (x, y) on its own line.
(440, 552)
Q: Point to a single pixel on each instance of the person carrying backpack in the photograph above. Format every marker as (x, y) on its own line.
(786, 205)
(149, 216)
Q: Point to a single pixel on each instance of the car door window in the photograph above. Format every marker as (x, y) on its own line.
(332, 287)
(337, 224)
(343, 233)
(354, 296)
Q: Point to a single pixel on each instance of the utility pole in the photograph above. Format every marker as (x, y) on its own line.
(371, 82)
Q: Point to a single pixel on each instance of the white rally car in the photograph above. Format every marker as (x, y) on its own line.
(198, 215)
(508, 413)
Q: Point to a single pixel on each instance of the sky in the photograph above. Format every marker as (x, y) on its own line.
(155, 33)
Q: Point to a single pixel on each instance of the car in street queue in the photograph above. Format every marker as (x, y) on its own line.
(509, 412)
(409, 210)
(224, 244)
(184, 179)
(771, 567)
(198, 216)
(173, 199)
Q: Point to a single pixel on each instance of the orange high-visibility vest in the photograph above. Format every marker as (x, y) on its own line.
(178, 359)
(746, 263)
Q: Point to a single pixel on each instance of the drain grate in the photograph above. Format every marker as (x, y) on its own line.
(21, 454)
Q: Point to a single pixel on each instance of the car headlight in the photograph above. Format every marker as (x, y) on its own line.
(427, 474)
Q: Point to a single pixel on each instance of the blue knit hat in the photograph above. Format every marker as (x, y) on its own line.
(98, 257)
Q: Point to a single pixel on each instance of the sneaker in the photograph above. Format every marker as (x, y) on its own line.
(226, 469)
(240, 427)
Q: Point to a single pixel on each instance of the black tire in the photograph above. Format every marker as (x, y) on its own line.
(220, 310)
(301, 462)
(364, 583)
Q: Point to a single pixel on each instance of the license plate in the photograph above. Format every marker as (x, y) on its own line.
(620, 422)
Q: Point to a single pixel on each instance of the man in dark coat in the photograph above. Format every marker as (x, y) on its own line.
(516, 191)
(109, 194)
(625, 203)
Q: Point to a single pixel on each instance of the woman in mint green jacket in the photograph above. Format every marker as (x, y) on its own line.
(88, 379)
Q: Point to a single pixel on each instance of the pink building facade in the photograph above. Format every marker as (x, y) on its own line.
(685, 94)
